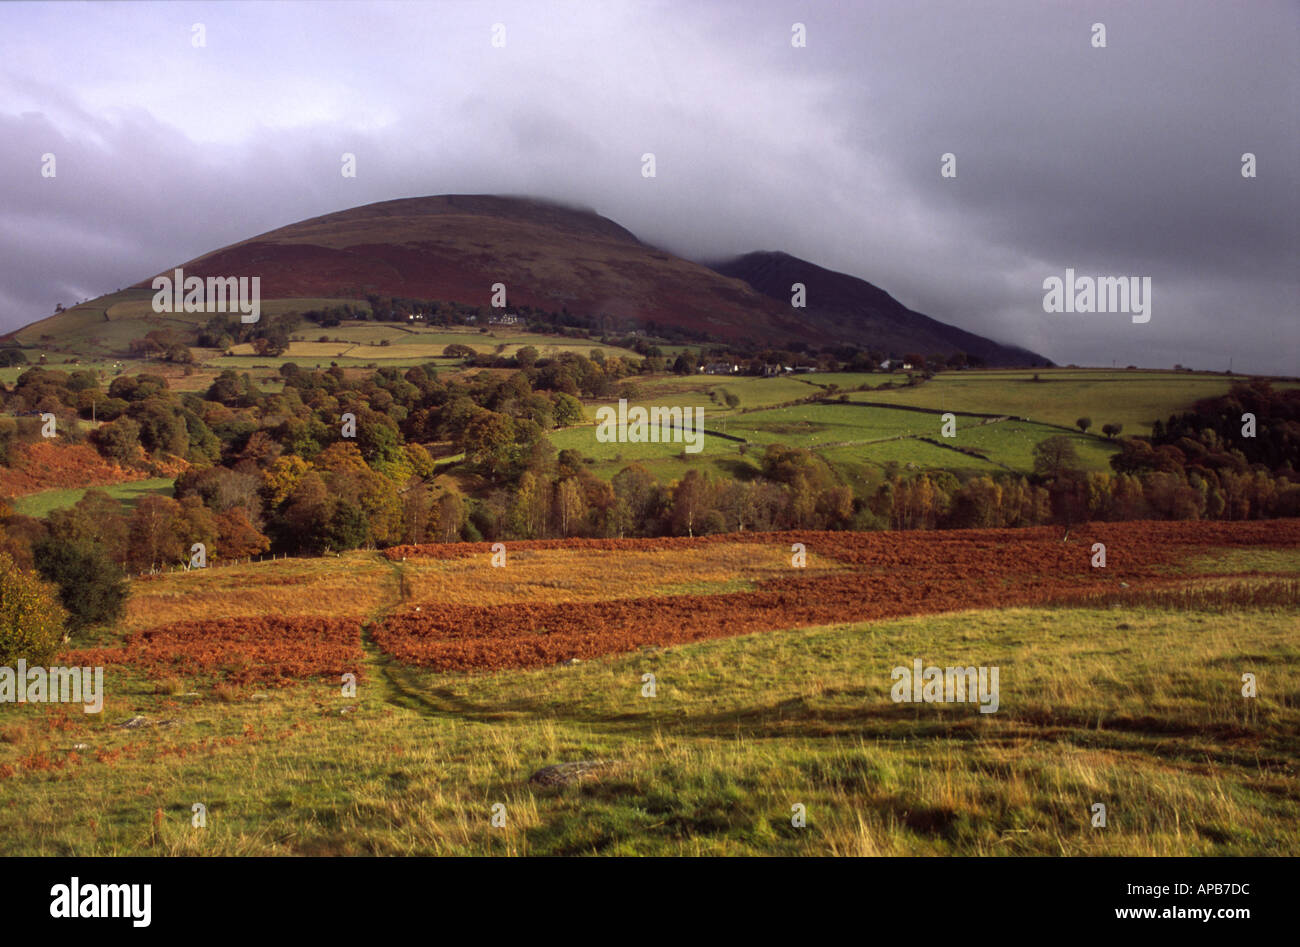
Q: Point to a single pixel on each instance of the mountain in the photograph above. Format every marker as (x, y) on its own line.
(553, 257)
(455, 247)
(845, 307)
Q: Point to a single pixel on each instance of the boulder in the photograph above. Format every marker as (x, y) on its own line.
(563, 774)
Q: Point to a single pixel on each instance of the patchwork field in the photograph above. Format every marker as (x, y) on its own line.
(447, 606)
(1135, 399)
(1007, 414)
(844, 433)
(104, 328)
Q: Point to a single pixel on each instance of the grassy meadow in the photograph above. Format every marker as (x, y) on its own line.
(861, 439)
(47, 501)
(1135, 399)
(1139, 710)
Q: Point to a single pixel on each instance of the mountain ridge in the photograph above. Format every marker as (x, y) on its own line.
(856, 305)
(559, 257)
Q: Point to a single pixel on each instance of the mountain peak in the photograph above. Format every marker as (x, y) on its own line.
(853, 309)
(558, 257)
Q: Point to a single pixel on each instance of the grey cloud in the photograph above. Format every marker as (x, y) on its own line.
(1123, 160)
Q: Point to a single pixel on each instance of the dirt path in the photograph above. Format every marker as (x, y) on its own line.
(399, 690)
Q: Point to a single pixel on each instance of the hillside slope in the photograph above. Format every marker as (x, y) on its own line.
(844, 306)
(454, 248)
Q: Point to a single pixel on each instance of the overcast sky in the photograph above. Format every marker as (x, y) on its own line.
(1122, 161)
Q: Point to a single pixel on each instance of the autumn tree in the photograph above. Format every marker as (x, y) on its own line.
(802, 506)
(31, 618)
(978, 504)
(304, 516)
(834, 508)
(739, 502)
(599, 496)
(451, 516)
(237, 537)
(1054, 457)
(282, 477)
(118, 440)
(497, 443)
(195, 523)
(153, 536)
(97, 519)
(570, 508)
(690, 500)
(526, 514)
(639, 490)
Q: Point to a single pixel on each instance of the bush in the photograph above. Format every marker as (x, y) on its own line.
(118, 440)
(714, 522)
(31, 619)
(92, 587)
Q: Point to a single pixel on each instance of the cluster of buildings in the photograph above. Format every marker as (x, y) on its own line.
(771, 369)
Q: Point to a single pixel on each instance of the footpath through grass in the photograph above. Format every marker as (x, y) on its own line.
(1139, 709)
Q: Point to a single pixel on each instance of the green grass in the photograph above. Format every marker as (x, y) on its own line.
(105, 327)
(1138, 709)
(843, 381)
(43, 503)
(817, 425)
(718, 455)
(272, 364)
(1011, 443)
(911, 456)
(1233, 560)
(866, 438)
(708, 392)
(1135, 399)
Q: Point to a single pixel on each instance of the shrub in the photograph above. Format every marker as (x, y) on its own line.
(92, 587)
(31, 618)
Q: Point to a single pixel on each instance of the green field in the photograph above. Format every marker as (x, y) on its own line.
(869, 437)
(1011, 443)
(709, 392)
(365, 343)
(43, 503)
(825, 424)
(1123, 709)
(104, 328)
(663, 460)
(1134, 399)
(272, 363)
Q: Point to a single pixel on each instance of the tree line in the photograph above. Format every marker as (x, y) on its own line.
(336, 461)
